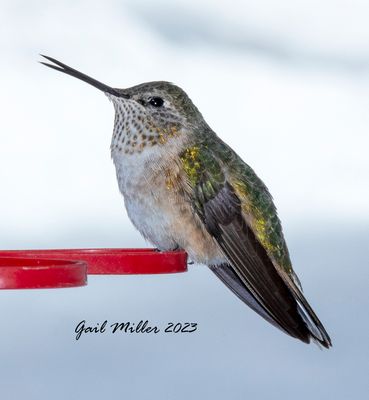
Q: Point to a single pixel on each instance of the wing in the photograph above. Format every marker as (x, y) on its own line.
(238, 211)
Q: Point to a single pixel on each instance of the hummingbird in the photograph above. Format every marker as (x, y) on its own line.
(184, 188)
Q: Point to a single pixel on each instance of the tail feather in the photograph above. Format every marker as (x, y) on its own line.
(310, 326)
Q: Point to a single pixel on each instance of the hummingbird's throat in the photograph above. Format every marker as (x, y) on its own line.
(135, 130)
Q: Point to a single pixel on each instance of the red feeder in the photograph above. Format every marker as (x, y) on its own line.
(32, 273)
(26, 269)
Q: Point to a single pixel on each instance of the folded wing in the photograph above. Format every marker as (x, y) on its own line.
(252, 272)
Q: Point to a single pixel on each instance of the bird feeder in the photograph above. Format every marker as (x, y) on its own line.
(62, 268)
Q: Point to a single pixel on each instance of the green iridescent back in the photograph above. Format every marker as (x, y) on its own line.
(209, 164)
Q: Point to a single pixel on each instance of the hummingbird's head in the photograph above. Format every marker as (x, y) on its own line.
(147, 115)
(150, 114)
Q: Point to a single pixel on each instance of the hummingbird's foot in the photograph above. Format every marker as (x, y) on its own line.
(156, 249)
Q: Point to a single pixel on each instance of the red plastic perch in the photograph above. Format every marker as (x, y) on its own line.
(26, 269)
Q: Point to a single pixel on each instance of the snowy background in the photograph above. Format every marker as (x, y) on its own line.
(285, 83)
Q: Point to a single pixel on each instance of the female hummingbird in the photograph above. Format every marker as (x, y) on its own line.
(185, 188)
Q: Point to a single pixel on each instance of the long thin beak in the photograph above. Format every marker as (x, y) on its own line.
(73, 72)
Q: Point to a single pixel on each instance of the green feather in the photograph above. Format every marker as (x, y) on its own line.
(209, 166)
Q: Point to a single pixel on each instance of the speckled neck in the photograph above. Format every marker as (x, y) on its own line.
(134, 130)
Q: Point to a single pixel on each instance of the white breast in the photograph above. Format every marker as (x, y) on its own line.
(145, 197)
(162, 216)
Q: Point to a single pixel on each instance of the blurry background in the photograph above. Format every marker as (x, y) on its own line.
(285, 83)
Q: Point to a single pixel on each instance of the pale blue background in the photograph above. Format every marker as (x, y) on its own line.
(286, 84)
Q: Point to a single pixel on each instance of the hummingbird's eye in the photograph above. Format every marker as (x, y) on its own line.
(156, 101)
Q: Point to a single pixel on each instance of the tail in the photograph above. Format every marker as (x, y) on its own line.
(306, 324)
